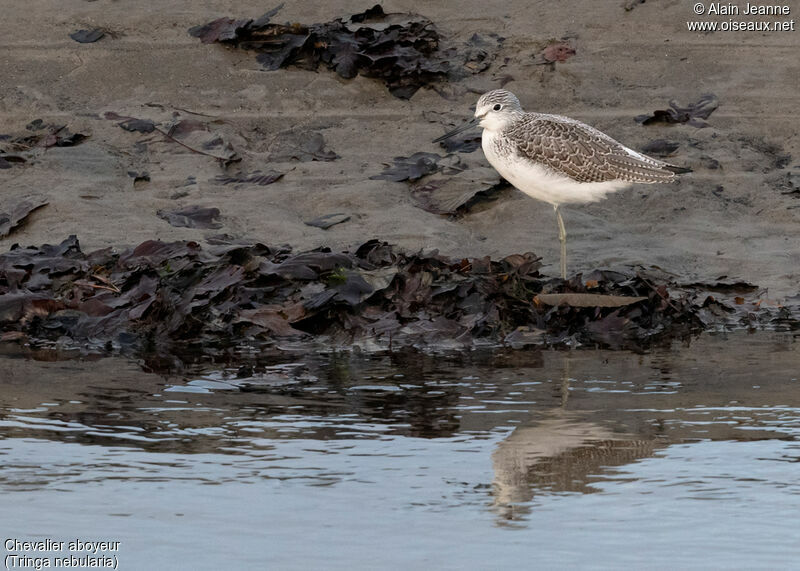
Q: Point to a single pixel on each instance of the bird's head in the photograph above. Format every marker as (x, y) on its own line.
(495, 109)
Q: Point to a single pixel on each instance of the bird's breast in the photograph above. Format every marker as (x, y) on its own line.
(494, 149)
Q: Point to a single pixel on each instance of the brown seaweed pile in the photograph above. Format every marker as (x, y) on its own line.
(181, 295)
(403, 50)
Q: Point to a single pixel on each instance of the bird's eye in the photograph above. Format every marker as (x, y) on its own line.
(497, 107)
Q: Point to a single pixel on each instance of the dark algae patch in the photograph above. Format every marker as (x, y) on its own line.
(169, 295)
(256, 177)
(410, 168)
(38, 134)
(445, 185)
(694, 114)
(88, 36)
(14, 216)
(192, 216)
(405, 51)
(303, 147)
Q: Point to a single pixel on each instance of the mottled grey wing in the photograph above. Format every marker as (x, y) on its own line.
(581, 152)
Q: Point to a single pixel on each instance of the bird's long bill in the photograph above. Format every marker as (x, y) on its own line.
(468, 125)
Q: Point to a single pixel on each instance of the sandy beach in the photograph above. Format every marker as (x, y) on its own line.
(735, 215)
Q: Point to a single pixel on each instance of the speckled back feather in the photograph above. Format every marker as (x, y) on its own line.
(579, 151)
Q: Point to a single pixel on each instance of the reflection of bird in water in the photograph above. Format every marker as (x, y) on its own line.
(559, 453)
(557, 159)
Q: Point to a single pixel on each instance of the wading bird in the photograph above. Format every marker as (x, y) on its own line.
(557, 159)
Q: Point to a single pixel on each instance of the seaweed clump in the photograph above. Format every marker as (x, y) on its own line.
(403, 50)
(179, 294)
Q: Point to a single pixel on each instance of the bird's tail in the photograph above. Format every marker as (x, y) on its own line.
(676, 169)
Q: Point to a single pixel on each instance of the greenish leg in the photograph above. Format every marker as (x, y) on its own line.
(562, 236)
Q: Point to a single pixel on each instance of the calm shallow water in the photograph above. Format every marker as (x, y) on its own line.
(686, 456)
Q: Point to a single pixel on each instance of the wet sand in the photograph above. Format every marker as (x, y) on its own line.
(731, 220)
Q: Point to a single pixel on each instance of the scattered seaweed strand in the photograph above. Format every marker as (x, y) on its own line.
(222, 160)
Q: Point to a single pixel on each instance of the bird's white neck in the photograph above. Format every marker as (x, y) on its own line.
(496, 122)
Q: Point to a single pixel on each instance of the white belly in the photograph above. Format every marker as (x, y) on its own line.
(542, 183)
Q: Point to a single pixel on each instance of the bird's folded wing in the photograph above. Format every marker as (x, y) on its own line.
(581, 152)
